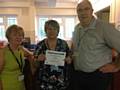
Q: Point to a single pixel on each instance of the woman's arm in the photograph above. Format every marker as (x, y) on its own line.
(68, 58)
(1, 66)
(29, 55)
(1, 60)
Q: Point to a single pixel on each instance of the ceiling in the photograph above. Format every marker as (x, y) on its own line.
(97, 4)
(58, 1)
(46, 3)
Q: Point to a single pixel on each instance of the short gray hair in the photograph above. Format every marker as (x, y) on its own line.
(85, 1)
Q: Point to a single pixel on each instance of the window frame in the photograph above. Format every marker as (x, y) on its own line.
(63, 17)
(5, 24)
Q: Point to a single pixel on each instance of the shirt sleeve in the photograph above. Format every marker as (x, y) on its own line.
(112, 37)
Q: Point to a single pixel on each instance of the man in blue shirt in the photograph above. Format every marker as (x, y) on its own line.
(93, 41)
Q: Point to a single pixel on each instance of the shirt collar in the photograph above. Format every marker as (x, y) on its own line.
(91, 26)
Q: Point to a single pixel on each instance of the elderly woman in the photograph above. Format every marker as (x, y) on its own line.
(51, 77)
(12, 60)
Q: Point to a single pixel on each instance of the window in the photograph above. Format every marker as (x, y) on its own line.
(40, 32)
(5, 21)
(2, 32)
(69, 27)
(11, 20)
(1, 20)
(66, 23)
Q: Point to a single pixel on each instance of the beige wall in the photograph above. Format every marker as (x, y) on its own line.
(56, 11)
(27, 12)
(25, 19)
(115, 12)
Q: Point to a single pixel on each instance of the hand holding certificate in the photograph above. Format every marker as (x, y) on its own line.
(55, 58)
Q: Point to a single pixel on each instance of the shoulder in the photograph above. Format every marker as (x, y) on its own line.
(105, 27)
(77, 29)
(61, 40)
(21, 48)
(25, 51)
(40, 42)
(104, 24)
(2, 52)
(77, 26)
(3, 49)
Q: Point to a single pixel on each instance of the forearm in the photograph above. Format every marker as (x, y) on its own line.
(117, 62)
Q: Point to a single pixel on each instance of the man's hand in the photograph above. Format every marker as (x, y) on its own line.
(109, 68)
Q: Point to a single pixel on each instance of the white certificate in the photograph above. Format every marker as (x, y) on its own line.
(55, 58)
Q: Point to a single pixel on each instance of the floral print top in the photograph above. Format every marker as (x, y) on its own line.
(51, 77)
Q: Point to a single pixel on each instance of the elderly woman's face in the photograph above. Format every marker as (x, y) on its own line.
(51, 32)
(16, 37)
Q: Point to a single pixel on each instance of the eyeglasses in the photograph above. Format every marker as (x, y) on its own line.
(84, 9)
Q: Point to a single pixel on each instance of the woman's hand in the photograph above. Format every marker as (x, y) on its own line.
(41, 57)
(68, 60)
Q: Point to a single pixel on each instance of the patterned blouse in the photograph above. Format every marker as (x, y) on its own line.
(51, 77)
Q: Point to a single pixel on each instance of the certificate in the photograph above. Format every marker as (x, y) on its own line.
(55, 58)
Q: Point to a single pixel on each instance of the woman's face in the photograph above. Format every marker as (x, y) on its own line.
(51, 32)
(16, 38)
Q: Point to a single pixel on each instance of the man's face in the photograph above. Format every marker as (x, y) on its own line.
(84, 11)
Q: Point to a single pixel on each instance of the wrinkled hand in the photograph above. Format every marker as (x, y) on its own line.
(109, 68)
(41, 57)
(68, 60)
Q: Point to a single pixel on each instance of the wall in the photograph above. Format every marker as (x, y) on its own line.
(115, 12)
(27, 11)
(104, 14)
(56, 11)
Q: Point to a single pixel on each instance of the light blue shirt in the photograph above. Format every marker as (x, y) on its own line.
(93, 45)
